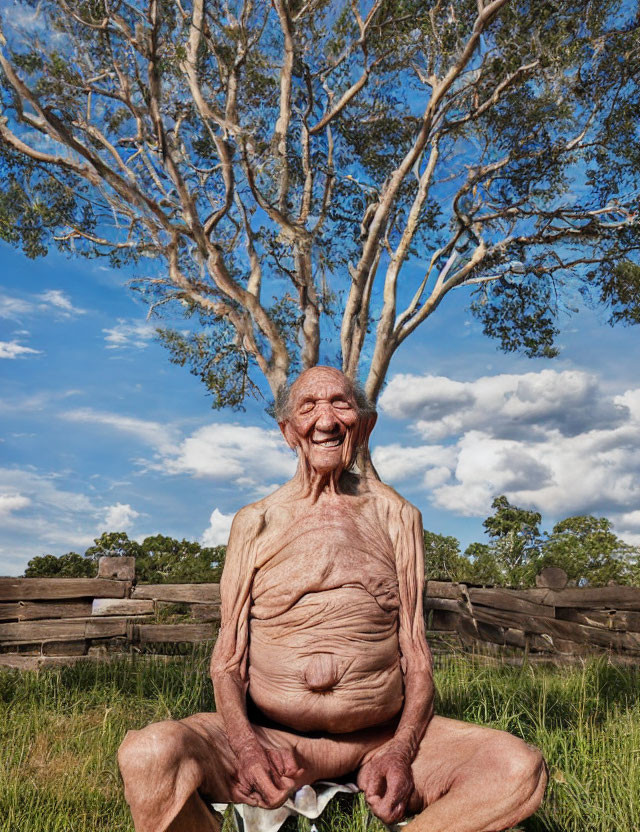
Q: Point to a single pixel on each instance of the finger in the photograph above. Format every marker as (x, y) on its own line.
(387, 813)
(243, 794)
(398, 786)
(370, 780)
(291, 767)
(267, 789)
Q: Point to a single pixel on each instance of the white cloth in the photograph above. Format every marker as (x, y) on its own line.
(310, 801)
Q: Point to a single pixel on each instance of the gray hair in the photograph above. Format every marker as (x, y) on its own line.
(282, 407)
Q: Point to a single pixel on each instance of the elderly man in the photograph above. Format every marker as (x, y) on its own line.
(321, 667)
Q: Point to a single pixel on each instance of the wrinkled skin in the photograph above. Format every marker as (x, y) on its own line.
(321, 667)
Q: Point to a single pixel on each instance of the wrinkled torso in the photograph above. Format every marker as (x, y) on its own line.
(323, 641)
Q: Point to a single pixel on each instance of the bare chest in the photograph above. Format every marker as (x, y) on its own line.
(321, 551)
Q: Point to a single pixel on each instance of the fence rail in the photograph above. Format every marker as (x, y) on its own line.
(52, 621)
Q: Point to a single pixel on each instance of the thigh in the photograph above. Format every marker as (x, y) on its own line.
(454, 752)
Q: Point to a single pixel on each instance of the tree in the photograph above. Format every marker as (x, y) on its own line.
(485, 569)
(515, 542)
(442, 559)
(590, 553)
(283, 170)
(159, 559)
(71, 565)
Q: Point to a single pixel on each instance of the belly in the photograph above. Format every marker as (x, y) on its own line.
(330, 663)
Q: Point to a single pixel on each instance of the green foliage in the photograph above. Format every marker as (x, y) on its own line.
(442, 559)
(159, 559)
(71, 565)
(110, 146)
(515, 542)
(590, 553)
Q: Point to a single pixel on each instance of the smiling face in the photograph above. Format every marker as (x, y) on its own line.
(323, 419)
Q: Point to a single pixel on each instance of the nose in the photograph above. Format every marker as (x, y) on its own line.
(326, 421)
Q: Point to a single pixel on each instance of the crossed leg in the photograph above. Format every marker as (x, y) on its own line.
(467, 778)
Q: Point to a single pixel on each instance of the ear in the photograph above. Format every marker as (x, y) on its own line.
(289, 435)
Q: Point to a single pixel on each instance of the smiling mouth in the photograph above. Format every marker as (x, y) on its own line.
(332, 442)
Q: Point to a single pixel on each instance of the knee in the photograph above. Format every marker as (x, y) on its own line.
(521, 766)
(154, 751)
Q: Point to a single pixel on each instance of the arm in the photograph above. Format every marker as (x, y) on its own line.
(416, 661)
(386, 778)
(263, 777)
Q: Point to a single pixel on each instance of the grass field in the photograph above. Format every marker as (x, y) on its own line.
(59, 732)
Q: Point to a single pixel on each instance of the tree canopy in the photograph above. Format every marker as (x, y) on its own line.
(308, 180)
(159, 559)
(584, 546)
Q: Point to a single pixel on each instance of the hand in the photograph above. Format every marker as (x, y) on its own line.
(387, 783)
(264, 777)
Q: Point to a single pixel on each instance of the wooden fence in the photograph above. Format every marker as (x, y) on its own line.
(552, 620)
(52, 621)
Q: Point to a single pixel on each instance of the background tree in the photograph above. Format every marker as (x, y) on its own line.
(159, 559)
(71, 565)
(515, 542)
(283, 171)
(442, 559)
(590, 553)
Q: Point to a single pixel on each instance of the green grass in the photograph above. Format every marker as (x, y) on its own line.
(59, 732)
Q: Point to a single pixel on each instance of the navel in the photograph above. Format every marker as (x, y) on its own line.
(323, 672)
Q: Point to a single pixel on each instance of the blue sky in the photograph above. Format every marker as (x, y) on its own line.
(98, 431)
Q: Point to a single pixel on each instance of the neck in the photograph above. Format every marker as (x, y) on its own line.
(312, 484)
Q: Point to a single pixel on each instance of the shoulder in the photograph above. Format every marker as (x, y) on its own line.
(255, 516)
(388, 500)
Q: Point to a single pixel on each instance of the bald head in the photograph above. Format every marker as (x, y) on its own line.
(312, 377)
(326, 418)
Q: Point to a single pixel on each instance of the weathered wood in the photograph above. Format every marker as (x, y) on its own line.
(624, 620)
(65, 648)
(192, 593)
(31, 610)
(17, 589)
(505, 599)
(120, 569)
(600, 597)
(573, 648)
(11, 660)
(567, 630)
(552, 577)
(205, 612)
(442, 621)
(61, 630)
(9, 611)
(447, 604)
(36, 663)
(121, 606)
(443, 589)
(150, 633)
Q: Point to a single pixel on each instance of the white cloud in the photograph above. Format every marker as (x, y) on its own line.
(60, 301)
(14, 308)
(39, 516)
(513, 405)
(51, 301)
(398, 462)
(129, 334)
(247, 455)
(217, 533)
(12, 502)
(159, 436)
(12, 349)
(119, 517)
(553, 441)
